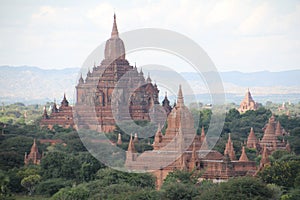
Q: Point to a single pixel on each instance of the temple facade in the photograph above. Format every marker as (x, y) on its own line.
(181, 148)
(60, 115)
(248, 103)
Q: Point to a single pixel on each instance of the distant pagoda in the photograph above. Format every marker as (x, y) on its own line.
(34, 157)
(248, 103)
(60, 115)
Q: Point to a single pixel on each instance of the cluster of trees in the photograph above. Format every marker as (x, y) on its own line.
(19, 113)
(111, 184)
(284, 173)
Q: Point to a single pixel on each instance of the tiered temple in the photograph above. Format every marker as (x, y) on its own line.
(182, 148)
(248, 103)
(272, 132)
(113, 91)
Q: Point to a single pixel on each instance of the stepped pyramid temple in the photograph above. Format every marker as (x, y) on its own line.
(34, 157)
(113, 90)
(272, 131)
(248, 103)
(270, 141)
(182, 148)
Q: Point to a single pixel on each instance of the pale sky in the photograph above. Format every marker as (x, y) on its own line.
(238, 35)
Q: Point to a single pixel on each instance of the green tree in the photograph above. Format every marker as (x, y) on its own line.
(281, 173)
(110, 176)
(293, 194)
(14, 181)
(28, 170)
(50, 186)
(182, 176)
(204, 119)
(4, 181)
(181, 184)
(60, 165)
(31, 182)
(114, 191)
(279, 154)
(75, 193)
(246, 188)
(180, 191)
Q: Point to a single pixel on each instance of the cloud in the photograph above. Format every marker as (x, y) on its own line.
(235, 34)
(266, 19)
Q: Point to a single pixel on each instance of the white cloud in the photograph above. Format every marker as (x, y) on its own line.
(235, 34)
(223, 11)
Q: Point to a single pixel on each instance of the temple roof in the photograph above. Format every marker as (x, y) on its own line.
(114, 47)
(278, 130)
(131, 147)
(243, 157)
(229, 150)
(115, 32)
(180, 101)
(64, 102)
(252, 136)
(34, 148)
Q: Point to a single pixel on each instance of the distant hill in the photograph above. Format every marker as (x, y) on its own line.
(34, 85)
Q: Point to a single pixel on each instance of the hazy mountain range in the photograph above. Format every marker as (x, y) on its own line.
(34, 85)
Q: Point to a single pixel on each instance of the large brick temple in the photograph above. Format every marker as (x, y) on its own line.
(113, 90)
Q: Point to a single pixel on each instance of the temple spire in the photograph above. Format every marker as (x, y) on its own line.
(278, 130)
(229, 150)
(180, 101)
(243, 157)
(252, 140)
(119, 142)
(34, 147)
(81, 81)
(204, 145)
(64, 102)
(157, 138)
(114, 32)
(265, 157)
(131, 147)
(149, 79)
